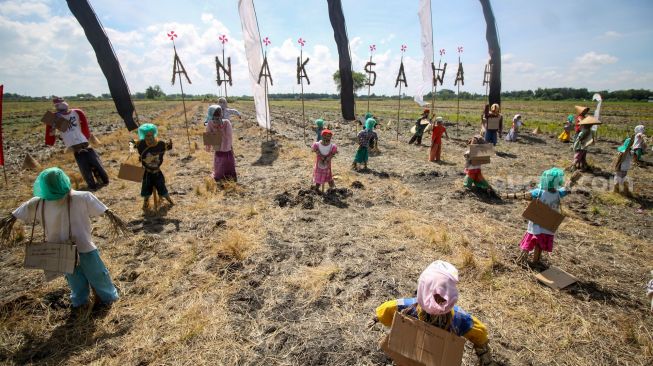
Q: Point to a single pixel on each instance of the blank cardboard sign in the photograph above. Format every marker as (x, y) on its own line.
(556, 278)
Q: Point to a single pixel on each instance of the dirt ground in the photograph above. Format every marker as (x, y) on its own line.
(265, 271)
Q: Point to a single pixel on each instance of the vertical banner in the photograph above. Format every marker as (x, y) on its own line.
(337, 18)
(494, 50)
(2, 145)
(107, 60)
(426, 40)
(254, 54)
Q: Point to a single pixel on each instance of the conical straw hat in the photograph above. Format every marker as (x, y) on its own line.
(537, 130)
(30, 163)
(589, 121)
(581, 109)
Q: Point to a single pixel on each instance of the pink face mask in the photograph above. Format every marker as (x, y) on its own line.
(439, 278)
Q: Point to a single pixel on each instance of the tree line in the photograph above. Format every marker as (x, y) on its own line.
(155, 93)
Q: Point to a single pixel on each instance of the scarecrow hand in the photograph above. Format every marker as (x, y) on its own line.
(372, 322)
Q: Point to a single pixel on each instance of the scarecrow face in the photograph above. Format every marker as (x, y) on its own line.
(439, 299)
(217, 115)
(326, 139)
(149, 137)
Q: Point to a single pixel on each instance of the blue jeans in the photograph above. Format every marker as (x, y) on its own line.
(491, 137)
(91, 272)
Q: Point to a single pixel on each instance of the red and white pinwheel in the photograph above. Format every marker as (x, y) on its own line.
(301, 41)
(442, 52)
(266, 41)
(372, 47)
(223, 39)
(460, 49)
(403, 48)
(172, 35)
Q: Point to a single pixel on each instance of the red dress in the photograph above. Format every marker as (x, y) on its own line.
(436, 142)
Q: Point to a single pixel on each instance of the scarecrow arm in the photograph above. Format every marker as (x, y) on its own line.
(6, 229)
(117, 227)
(83, 123)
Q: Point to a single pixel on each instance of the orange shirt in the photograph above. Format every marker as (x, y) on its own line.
(436, 137)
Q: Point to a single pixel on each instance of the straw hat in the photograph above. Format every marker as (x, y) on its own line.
(31, 163)
(589, 120)
(537, 130)
(581, 110)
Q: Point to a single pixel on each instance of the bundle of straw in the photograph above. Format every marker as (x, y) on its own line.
(117, 227)
(6, 229)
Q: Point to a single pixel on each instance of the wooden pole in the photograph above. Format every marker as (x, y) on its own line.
(301, 81)
(225, 75)
(183, 101)
(267, 119)
(369, 88)
(458, 112)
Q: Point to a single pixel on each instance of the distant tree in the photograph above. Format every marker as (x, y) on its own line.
(154, 92)
(359, 80)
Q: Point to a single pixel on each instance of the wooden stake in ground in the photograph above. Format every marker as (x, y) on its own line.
(224, 74)
(301, 74)
(487, 77)
(438, 77)
(265, 73)
(401, 79)
(178, 68)
(460, 79)
(371, 76)
(2, 148)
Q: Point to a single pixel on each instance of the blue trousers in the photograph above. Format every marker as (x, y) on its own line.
(491, 137)
(91, 167)
(91, 272)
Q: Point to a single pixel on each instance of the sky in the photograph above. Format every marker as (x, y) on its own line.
(598, 44)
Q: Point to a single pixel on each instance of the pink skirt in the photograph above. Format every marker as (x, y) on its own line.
(224, 166)
(543, 241)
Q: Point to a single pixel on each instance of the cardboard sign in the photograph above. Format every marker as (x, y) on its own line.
(480, 160)
(493, 123)
(419, 343)
(51, 257)
(59, 123)
(130, 172)
(543, 215)
(556, 278)
(212, 139)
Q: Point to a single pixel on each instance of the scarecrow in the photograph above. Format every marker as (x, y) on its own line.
(226, 111)
(436, 140)
(549, 192)
(150, 153)
(581, 113)
(418, 129)
(474, 176)
(75, 134)
(565, 136)
(437, 294)
(622, 165)
(319, 126)
(493, 124)
(366, 138)
(583, 140)
(514, 130)
(65, 215)
(639, 144)
(224, 163)
(324, 150)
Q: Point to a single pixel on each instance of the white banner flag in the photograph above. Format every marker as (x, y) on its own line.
(426, 40)
(254, 53)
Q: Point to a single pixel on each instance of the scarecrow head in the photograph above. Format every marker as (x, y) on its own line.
(437, 292)
(52, 184)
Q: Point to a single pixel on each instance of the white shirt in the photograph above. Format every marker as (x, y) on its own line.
(73, 136)
(639, 141)
(83, 206)
(325, 149)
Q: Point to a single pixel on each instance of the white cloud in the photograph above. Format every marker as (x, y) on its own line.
(17, 8)
(594, 60)
(611, 35)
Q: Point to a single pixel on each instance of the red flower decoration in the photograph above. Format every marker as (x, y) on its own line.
(267, 41)
(223, 39)
(301, 41)
(172, 35)
(403, 48)
(372, 47)
(442, 52)
(460, 49)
